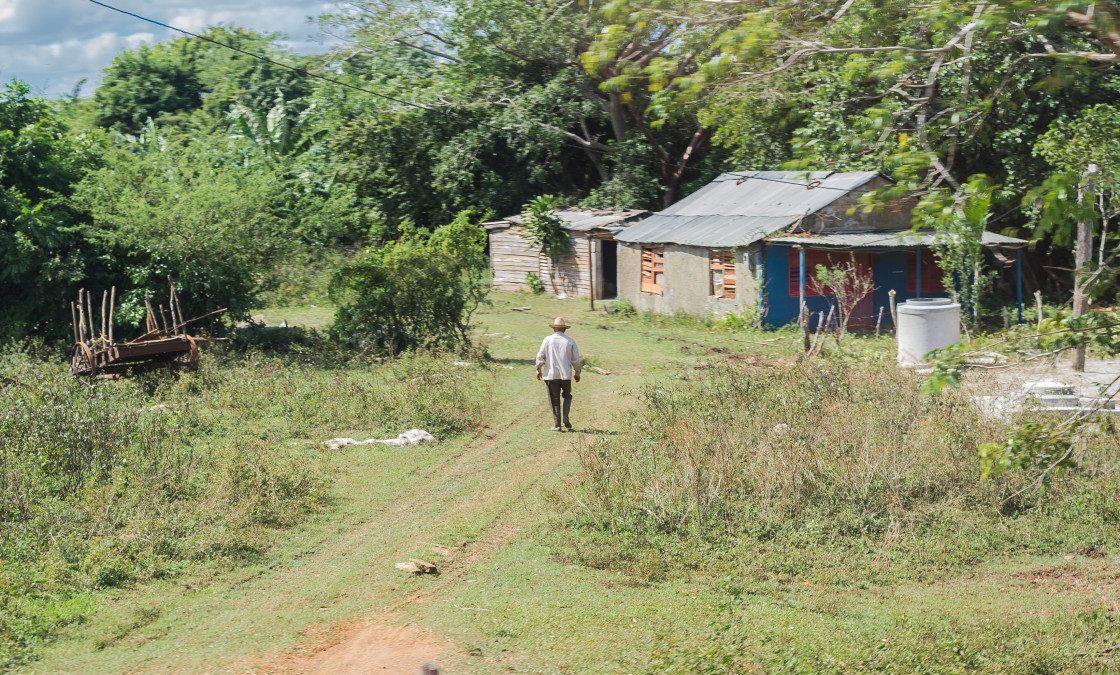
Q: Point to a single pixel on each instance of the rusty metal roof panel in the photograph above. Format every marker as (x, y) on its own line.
(740, 208)
(583, 220)
(898, 239)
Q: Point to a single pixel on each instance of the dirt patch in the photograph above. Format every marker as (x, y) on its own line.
(1063, 577)
(750, 360)
(1091, 551)
(368, 648)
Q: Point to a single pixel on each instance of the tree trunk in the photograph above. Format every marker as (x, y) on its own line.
(618, 116)
(1080, 296)
(673, 182)
(1083, 255)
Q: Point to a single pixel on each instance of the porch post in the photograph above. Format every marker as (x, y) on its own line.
(590, 272)
(760, 279)
(801, 282)
(918, 271)
(1019, 281)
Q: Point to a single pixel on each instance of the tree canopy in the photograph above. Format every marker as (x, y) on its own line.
(426, 109)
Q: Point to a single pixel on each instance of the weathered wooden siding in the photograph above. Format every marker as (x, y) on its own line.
(512, 257)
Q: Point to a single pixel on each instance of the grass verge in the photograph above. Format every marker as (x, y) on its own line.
(836, 475)
(124, 482)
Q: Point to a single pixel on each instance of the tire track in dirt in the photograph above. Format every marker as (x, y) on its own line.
(376, 644)
(373, 644)
(433, 474)
(489, 478)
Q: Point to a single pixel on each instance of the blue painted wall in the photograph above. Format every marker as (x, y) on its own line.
(889, 269)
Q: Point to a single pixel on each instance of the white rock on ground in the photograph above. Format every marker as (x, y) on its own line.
(408, 438)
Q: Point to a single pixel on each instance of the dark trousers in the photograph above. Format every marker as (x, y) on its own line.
(559, 392)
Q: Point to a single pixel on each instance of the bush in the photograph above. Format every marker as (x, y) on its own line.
(417, 292)
(534, 283)
(746, 319)
(183, 211)
(623, 307)
(43, 251)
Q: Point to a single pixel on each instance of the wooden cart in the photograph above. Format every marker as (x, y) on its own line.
(149, 352)
(164, 346)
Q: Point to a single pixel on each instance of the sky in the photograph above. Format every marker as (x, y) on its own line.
(53, 44)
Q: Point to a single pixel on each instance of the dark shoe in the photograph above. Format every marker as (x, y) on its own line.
(567, 409)
(567, 424)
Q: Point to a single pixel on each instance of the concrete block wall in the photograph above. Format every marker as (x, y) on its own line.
(686, 281)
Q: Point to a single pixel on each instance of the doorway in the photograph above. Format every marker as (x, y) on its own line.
(608, 263)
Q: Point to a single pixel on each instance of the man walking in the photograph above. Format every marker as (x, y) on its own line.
(557, 365)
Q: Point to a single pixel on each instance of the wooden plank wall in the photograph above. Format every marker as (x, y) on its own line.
(512, 257)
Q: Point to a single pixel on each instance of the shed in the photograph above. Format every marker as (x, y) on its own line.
(590, 267)
(749, 240)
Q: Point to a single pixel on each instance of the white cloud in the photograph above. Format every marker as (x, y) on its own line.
(52, 44)
(7, 10)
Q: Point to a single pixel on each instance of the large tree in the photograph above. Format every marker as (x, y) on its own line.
(181, 76)
(519, 67)
(42, 251)
(184, 210)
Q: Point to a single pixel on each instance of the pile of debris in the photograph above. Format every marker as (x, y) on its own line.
(408, 438)
(164, 344)
(1057, 397)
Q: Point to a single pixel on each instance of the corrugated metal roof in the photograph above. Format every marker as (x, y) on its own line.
(740, 208)
(583, 220)
(904, 239)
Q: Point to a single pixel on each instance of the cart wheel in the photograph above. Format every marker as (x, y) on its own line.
(192, 363)
(82, 362)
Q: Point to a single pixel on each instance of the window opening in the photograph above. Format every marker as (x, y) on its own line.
(653, 269)
(721, 265)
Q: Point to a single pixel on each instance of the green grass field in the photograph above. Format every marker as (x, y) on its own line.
(542, 572)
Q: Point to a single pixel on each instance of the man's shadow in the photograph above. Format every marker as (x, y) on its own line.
(516, 362)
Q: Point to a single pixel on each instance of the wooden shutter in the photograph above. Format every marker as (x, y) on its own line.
(722, 270)
(653, 266)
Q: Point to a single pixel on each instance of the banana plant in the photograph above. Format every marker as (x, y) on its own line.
(274, 134)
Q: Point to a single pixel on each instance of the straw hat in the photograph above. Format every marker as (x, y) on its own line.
(559, 322)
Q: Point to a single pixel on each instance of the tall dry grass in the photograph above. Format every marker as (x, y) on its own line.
(813, 461)
(126, 481)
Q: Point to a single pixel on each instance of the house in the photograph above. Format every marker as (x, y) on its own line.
(750, 240)
(588, 270)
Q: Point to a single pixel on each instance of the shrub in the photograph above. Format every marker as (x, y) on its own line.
(623, 307)
(416, 292)
(746, 319)
(534, 282)
(182, 211)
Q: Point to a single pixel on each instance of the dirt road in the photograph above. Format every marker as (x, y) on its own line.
(330, 600)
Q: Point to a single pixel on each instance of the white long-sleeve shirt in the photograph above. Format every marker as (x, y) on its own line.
(558, 357)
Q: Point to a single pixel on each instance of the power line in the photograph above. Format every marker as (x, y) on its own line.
(266, 59)
(412, 104)
(302, 71)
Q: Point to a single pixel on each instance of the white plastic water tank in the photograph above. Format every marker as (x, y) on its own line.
(925, 324)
